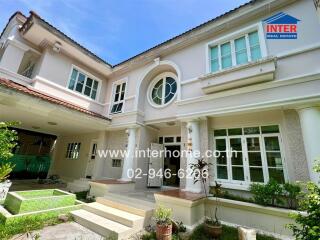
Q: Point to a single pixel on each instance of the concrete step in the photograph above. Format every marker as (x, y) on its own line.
(134, 206)
(114, 214)
(101, 225)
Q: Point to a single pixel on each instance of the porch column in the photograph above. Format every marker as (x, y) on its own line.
(129, 157)
(310, 126)
(193, 130)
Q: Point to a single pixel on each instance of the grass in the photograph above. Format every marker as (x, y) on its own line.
(26, 225)
(228, 234)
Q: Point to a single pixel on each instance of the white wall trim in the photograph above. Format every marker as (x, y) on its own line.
(66, 90)
(253, 107)
(15, 77)
(149, 69)
(267, 85)
(298, 51)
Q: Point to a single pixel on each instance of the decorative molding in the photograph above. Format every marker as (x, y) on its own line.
(267, 85)
(66, 90)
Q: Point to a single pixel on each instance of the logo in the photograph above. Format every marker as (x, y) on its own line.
(281, 26)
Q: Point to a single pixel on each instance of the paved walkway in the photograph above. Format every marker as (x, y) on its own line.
(64, 231)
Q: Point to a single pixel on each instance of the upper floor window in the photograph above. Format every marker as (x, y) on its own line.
(235, 52)
(118, 97)
(162, 89)
(83, 84)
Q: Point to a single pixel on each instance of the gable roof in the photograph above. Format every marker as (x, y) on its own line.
(281, 18)
(26, 25)
(37, 94)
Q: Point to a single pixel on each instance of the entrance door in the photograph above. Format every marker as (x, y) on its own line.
(155, 165)
(91, 160)
(172, 165)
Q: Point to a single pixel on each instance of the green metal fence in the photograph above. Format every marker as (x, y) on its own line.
(29, 166)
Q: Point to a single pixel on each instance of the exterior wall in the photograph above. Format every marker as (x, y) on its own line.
(295, 164)
(70, 169)
(297, 167)
(116, 140)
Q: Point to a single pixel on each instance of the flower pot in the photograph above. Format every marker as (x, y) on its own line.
(214, 231)
(164, 232)
(4, 189)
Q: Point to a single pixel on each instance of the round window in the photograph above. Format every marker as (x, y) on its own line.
(163, 89)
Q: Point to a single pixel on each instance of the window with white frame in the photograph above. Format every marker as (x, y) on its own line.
(118, 98)
(83, 84)
(73, 150)
(234, 52)
(250, 154)
(162, 89)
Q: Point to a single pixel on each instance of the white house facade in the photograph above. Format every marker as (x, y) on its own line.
(226, 84)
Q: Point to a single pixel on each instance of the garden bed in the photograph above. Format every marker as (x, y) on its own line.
(36, 200)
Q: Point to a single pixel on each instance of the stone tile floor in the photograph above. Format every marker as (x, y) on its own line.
(64, 231)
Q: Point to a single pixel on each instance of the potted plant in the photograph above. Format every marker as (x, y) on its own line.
(200, 172)
(164, 225)
(8, 139)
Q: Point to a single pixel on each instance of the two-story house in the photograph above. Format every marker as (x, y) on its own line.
(233, 82)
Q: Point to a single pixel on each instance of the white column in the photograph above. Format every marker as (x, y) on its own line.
(310, 126)
(193, 130)
(129, 157)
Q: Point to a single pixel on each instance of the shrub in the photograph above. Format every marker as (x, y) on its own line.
(163, 215)
(8, 138)
(268, 194)
(291, 193)
(308, 227)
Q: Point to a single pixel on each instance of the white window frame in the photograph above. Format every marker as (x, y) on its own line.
(244, 185)
(87, 75)
(154, 82)
(230, 38)
(114, 88)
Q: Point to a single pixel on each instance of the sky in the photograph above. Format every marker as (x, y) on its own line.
(116, 30)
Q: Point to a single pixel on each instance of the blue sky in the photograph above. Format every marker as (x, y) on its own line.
(118, 29)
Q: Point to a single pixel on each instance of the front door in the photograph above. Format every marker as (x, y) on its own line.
(91, 159)
(155, 165)
(172, 166)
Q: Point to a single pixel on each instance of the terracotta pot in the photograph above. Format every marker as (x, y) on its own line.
(164, 232)
(214, 231)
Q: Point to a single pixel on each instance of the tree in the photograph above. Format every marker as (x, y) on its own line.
(8, 138)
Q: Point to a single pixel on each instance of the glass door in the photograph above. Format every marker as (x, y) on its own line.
(255, 162)
(274, 158)
(236, 159)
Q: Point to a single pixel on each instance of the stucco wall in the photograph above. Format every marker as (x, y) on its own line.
(57, 67)
(70, 169)
(116, 140)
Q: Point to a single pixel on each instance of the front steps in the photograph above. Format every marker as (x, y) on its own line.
(79, 185)
(115, 216)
